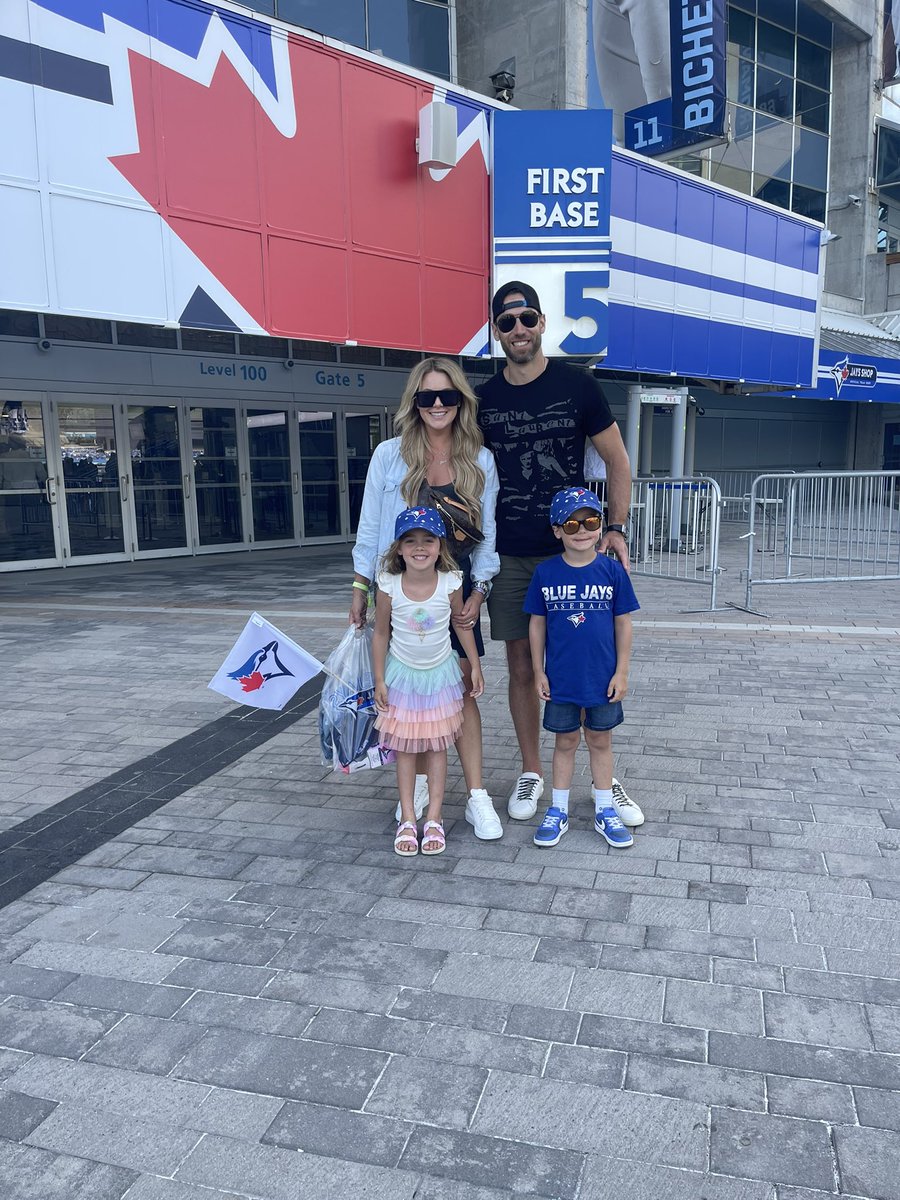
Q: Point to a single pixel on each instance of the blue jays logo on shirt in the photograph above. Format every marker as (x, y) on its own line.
(576, 619)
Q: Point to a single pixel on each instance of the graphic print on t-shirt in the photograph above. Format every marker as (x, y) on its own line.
(537, 433)
(580, 605)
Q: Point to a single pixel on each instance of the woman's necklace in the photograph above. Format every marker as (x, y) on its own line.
(437, 462)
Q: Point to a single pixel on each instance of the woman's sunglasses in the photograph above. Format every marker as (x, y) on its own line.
(591, 524)
(506, 322)
(449, 397)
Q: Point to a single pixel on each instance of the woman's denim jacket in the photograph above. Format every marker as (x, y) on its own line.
(382, 504)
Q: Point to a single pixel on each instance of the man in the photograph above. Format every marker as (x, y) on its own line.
(536, 414)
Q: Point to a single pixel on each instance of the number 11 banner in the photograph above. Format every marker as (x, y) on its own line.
(551, 219)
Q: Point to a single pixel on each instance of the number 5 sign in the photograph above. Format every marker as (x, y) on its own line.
(551, 205)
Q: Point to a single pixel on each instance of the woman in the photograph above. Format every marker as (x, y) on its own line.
(438, 460)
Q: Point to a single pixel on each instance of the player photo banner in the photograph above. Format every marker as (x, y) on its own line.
(551, 219)
(660, 66)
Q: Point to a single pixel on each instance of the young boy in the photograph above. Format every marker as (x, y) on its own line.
(580, 635)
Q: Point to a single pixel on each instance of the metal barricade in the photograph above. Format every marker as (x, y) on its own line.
(823, 527)
(735, 484)
(675, 526)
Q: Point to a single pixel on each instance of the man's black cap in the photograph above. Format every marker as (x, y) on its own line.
(531, 298)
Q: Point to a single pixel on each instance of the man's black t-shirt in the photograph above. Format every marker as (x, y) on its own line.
(536, 431)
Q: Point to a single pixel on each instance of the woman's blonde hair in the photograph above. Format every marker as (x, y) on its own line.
(392, 562)
(466, 438)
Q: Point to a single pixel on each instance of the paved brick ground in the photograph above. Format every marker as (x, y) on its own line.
(243, 993)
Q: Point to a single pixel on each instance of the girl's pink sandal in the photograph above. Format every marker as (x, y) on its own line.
(436, 835)
(406, 841)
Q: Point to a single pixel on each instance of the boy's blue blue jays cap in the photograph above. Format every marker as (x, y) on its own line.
(428, 519)
(570, 500)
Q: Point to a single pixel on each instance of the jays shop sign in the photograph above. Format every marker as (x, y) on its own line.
(551, 215)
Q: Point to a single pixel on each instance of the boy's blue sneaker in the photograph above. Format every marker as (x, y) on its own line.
(551, 829)
(609, 825)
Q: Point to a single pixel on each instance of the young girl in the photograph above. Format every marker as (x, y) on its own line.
(418, 681)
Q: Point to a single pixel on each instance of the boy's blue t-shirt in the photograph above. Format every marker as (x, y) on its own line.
(580, 604)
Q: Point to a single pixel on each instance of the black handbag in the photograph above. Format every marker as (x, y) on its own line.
(462, 535)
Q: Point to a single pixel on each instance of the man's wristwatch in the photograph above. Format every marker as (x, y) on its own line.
(483, 586)
(623, 529)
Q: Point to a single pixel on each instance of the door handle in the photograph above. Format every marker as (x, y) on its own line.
(243, 483)
(295, 479)
(123, 480)
(50, 489)
(187, 487)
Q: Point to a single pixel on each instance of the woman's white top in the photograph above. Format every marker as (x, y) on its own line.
(420, 629)
(382, 504)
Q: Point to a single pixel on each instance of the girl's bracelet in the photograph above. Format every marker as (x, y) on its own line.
(363, 587)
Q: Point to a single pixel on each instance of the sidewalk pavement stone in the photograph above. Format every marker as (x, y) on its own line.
(775, 1149)
(21, 1114)
(132, 1142)
(651, 1128)
(230, 952)
(509, 1166)
(339, 1133)
(613, 1179)
(29, 1173)
(287, 1067)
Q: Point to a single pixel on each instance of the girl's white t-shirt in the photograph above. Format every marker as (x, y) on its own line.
(420, 629)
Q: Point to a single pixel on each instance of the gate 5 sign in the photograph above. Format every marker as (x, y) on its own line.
(551, 204)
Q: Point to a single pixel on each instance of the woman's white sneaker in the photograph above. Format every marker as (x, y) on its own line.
(629, 812)
(482, 817)
(522, 804)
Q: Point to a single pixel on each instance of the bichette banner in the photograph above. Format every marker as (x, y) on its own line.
(264, 668)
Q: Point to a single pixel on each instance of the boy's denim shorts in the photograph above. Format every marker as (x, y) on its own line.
(566, 718)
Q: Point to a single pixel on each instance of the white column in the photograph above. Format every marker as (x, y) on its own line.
(633, 426)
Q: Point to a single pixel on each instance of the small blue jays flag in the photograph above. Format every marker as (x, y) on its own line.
(264, 668)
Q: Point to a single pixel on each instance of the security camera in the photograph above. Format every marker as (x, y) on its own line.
(503, 81)
(288, 364)
(45, 344)
(856, 201)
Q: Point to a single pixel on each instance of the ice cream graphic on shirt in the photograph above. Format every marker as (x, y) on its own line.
(420, 621)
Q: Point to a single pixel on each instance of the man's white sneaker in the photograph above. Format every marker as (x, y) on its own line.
(523, 800)
(481, 816)
(420, 798)
(629, 813)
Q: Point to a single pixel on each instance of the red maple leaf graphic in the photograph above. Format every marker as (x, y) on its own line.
(251, 683)
(333, 232)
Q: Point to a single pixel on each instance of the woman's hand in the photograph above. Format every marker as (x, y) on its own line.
(468, 614)
(381, 696)
(477, 682)
(359, 606)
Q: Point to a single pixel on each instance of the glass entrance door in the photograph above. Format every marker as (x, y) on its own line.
(274, 482)
(28, 526)
(362, 433)
(320, 473)
(154, 444)
(219, 481)
(91, 484)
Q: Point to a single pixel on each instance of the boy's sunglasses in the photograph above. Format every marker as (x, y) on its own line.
(506, 322)
(449, 397)
(591, 524)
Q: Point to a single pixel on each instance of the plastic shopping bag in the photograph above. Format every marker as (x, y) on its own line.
(347, 707)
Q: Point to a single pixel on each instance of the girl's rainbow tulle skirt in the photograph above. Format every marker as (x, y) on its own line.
(425, 706)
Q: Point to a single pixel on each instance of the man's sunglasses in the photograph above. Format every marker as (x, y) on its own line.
(506, 322)
(591, 524)
(449, 397)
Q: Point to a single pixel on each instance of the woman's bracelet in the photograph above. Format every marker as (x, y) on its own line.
(363, 587)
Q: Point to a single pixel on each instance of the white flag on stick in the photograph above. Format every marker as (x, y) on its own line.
(265, 668)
